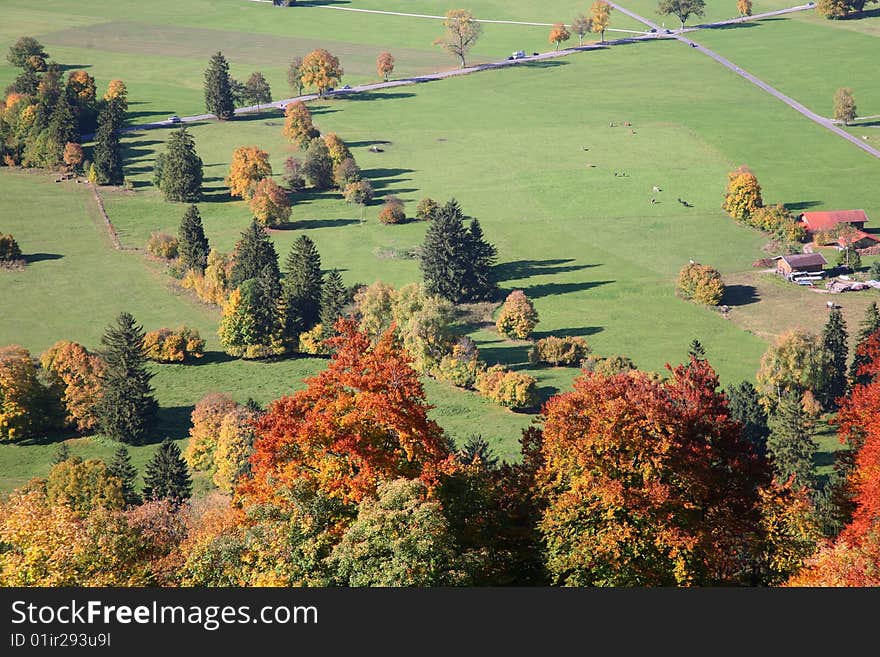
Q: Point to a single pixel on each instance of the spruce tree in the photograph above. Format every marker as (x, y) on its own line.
(219, 97)
(122, 468)
(302, 281)
(166, 476)
(870, 324)
(107, 156)
(791, 445)
(480, 284)
(193, 246)
(334, 298)
(744, 406)
(266, 305)
(444, 254)
(127, 409)
(62, 453)
(696, 350)
(180, 177)
(253, 253)
(834, 345)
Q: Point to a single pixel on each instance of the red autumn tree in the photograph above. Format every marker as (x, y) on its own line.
(648, 482)
(362, 420)
(269, 203)
(76, 375)
(385, 64)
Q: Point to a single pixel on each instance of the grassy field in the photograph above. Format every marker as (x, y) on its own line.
(715, 10)
(783, 51)
(529, 151)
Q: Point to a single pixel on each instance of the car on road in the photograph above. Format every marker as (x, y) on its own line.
(174, 119)
(652, 30)
(519, 54)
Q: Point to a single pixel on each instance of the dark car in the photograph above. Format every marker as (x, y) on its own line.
(652, 30)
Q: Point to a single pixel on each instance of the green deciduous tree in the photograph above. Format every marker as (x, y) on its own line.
(318, 166)
(127, 410)
(219, 98)
(166, 476)
(23, 49)
(682, 9)
(257, 89)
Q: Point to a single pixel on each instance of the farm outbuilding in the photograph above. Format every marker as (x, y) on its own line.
(805, 262)
(827, 221)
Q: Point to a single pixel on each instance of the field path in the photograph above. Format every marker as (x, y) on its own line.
(826, 123)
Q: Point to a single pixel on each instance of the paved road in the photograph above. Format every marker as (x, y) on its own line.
(826, 123)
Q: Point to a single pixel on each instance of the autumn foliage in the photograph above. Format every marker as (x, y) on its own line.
(24, 401)
(384, 64)
(321, 70)
(270, 203)
(249, 165)
(207, 418)
(558, 34)
(506, 387)
(743, 195)
(298, 126)
(647, 482)
(700, 283)
(518, 316)
(362, 420)
(167, 345)
(76, 376)
(568, 351)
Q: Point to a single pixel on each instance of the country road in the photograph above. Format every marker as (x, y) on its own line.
(826, 123)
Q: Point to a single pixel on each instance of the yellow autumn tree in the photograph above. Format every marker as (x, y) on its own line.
(207, 416)
(81, 86)
(600, 13)
(743, 195)
(270, 203)
(518, 316)
(298, 125)
(117, 91)
(384, 64)
(744, 7)
(235, 440)
(700, 283)
(462, 32)
(321, 70)
(250, 164)
(558, 34)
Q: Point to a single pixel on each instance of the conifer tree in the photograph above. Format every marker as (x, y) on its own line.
(193, 245)
(122, 468)
(696, 350)
(253, 253)
(219, 97)
(456, 261)
(166, 475)
(127, 409)
(302, 281)
(180, 177)
(62, 453)
(869, 325)
(107, 156)
(834, 344)
(744, 405)
(334, 297)
(791, 445)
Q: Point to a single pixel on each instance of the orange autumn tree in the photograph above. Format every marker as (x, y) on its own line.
(321, 70)
(250, 164)
(648, 482)
(854, 558)
(76, 376)
(361, 421)
(385, 64)
(73, 155)
(116, 91)
(269, 203)
(559, 33)
(82, 86)
(298, 125)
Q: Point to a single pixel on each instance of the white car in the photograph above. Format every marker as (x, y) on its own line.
(519, 54)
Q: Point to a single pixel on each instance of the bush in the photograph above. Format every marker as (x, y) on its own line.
(508, 388)
(608, 366)
(212, 286)
(312, 342)
(162, 245)
(776, 219)
(167, 346)
(462, 366)
(875, 270)
(392, 212)
(700, 283)
(567, 351)
(849, 258)
(346, 172)
(294, 177)
(9, 249)
(426, 208)
(518, 316)
(360, 192)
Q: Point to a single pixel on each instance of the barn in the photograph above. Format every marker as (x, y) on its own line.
(825, 228)
(805, 262)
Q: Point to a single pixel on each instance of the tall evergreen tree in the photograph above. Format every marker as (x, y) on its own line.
(253, 253)
(480, 281)
(122, 468)
(334, 298)
(192, 243)
(834, 344)
(267, 306)
(127, 409)
(166, 476)
(107, 156)
(870, 324)
(456, 261)
(219, 96)
(302, 281)
(791, 445)
(744, 406)
(180, 175)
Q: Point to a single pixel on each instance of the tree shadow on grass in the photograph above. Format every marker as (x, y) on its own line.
(580, 332)
(506, 353)
(173, 422)
(310, 224)
(553, 289)
(823, 459)
(802, 205)
(521, 269)
(372, 142)
(377, 95)
(740, 295)
(212, 358)
(30, 258)
(544, 63)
